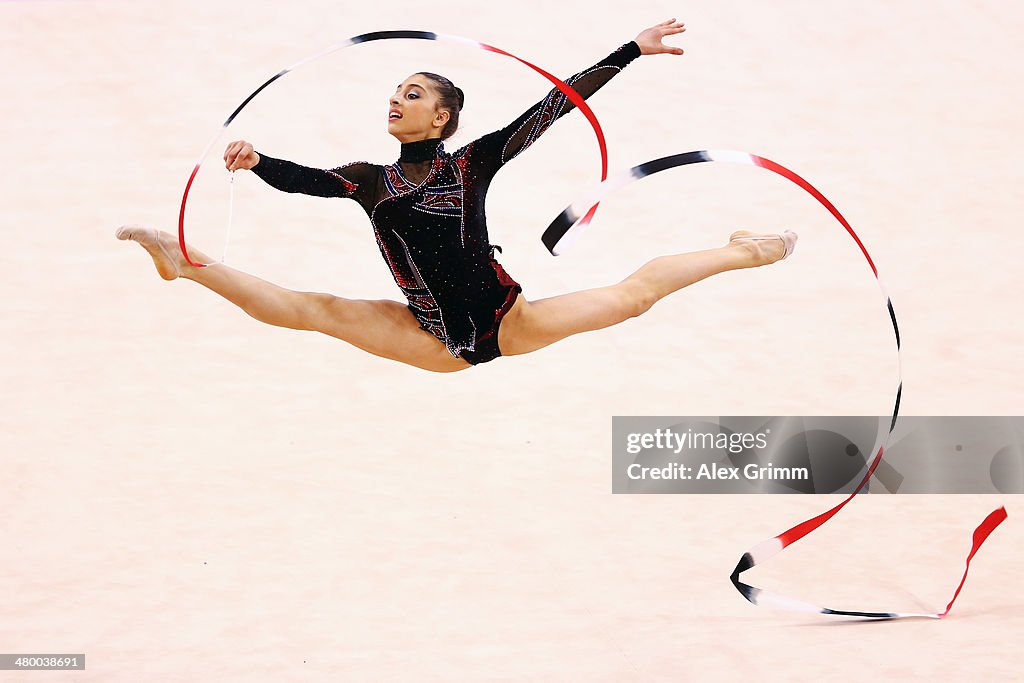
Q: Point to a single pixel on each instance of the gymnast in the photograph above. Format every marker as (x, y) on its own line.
(427, 213)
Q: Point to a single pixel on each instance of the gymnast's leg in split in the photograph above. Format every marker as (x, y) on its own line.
(388, 329)
(532, 325)
(382, 327)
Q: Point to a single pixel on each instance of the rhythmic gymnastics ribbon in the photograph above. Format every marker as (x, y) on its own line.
(567, 90)
(570, 219)
(579, 214)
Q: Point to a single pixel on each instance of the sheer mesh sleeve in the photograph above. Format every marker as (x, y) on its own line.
(494, 150)
(355, 181)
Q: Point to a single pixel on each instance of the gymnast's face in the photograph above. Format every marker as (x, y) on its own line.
(418, 116)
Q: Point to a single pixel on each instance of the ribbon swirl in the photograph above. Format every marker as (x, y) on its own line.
(567, 225)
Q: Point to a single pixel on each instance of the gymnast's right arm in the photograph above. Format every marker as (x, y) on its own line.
(291, 177)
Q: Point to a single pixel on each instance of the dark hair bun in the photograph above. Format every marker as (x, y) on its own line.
(462, 97)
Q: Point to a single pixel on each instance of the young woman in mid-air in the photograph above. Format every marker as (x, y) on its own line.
(427, 212)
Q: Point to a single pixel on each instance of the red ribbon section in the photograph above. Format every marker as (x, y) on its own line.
(994, 519)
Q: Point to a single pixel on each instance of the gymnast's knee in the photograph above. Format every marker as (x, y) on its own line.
(321, 312)
(639, 297)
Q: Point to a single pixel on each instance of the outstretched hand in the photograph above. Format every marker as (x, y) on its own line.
(240, 156)
(650, 39)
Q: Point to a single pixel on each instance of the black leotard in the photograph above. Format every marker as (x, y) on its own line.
(427, 209)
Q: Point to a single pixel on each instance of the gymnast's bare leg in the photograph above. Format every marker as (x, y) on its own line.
(382, 327)
(532, 325)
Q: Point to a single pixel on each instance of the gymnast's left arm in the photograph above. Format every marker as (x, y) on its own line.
(495, 149)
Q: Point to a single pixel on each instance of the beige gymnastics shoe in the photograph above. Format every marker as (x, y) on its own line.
(151, 240)
(788, 238)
